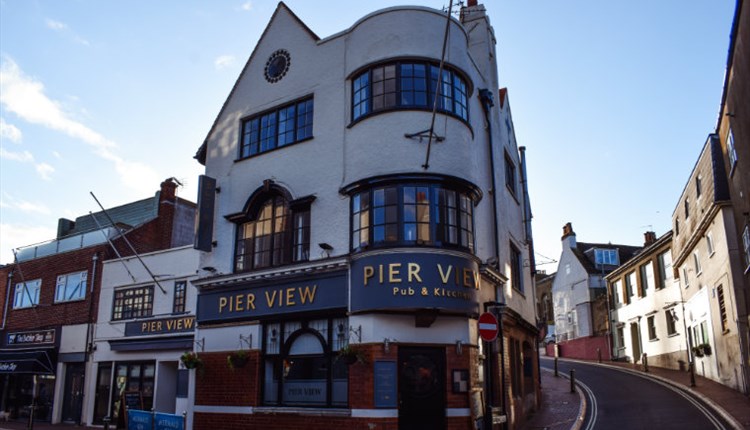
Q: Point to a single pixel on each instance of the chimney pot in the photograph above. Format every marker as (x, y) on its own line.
(471, 3)
(649, 237)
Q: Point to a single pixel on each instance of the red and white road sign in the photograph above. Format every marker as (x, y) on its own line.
(488, 327)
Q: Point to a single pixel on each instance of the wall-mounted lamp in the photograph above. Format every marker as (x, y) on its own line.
(201, 343)
(459, 347)
(326, 248)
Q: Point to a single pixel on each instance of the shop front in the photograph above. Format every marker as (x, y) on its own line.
(144, 364)
(27, 373)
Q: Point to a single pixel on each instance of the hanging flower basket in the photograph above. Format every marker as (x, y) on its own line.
(352, 354)
(698, 351)
(238, 359)
(706, 348)
(191, 360)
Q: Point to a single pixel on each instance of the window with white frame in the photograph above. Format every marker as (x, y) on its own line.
(652, 327)
(697, 263)
(27, 294)
(617, 300)
(71, 287)
(731, 151)
(180, 296)
(630, 283)
(133, 303)
(606, 257)
(647, 278)
(710, 243)
(685, 277)
(664, 261)
(671, 322)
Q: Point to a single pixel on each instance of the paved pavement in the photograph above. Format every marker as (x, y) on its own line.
(561, 409)
(557, 400)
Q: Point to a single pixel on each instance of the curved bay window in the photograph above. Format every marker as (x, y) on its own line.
(300, 363)
(410, 85)
(273, 231)
(430, 214)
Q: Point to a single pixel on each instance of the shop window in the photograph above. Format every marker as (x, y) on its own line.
(412, 214)
(301, 368)
(409, 85)
(71, 287)
(272, 234)
(133, 303)
(133, 376)
(27, 294)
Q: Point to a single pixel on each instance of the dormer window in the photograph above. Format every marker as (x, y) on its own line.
(606, 257)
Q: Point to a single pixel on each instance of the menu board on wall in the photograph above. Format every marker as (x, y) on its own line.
(385, 384)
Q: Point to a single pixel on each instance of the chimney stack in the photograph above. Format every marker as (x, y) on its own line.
(649, 237)
(569, 236)
(471, 3)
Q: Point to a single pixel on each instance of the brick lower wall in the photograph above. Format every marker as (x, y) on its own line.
(218, 385)
(585, 348)
(204, 421)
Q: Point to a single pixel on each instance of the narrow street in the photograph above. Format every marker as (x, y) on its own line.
(624, 400)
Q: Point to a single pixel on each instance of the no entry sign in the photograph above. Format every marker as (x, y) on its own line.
(488, 327)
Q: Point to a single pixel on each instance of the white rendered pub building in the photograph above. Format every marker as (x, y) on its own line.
(350, 239)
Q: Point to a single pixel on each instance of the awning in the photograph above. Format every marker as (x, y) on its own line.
(35, 361)
(181, 342)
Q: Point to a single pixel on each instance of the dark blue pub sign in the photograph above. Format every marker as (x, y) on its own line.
(415, 281)
(250, 302)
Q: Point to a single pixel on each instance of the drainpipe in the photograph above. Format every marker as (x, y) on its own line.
(89, 328)
(7, 298)
(485, 97)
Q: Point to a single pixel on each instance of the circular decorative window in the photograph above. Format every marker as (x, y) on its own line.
(277, 65)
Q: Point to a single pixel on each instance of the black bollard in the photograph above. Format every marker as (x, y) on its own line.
(599, 354)
(572, 380)
(106, 423)
(645, 362)
(556, 374)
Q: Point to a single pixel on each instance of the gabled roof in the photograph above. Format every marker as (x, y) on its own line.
(200, 155)
(584, 253)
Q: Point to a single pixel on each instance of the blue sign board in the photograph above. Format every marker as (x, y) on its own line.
(251, 302)
(385, 384)
(415, 281)
(168, 422)
(140, 420)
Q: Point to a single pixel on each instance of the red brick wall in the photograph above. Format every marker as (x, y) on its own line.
(218, 385)
(205, 421)
(48, 313)
(584, 348)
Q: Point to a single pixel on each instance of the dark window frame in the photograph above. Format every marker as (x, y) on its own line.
(511, 178)
(453, 81)
(279, 356)
(141, 302)
(516, 268)
(260, 133)
(288, 245)
(179, 300)
(365, 215)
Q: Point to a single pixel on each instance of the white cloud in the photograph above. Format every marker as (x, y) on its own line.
(9, 202)
(224, 61)
(23, 157)
(57, 155)
(24, 96)
(45, 170)
(16, 235)
(9, 131)
(55, 25)
(81, 40)
(248, 5)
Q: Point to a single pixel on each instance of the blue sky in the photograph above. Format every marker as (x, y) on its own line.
(613, 101)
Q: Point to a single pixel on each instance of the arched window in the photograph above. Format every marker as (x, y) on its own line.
(301, 366)
(272, 231)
